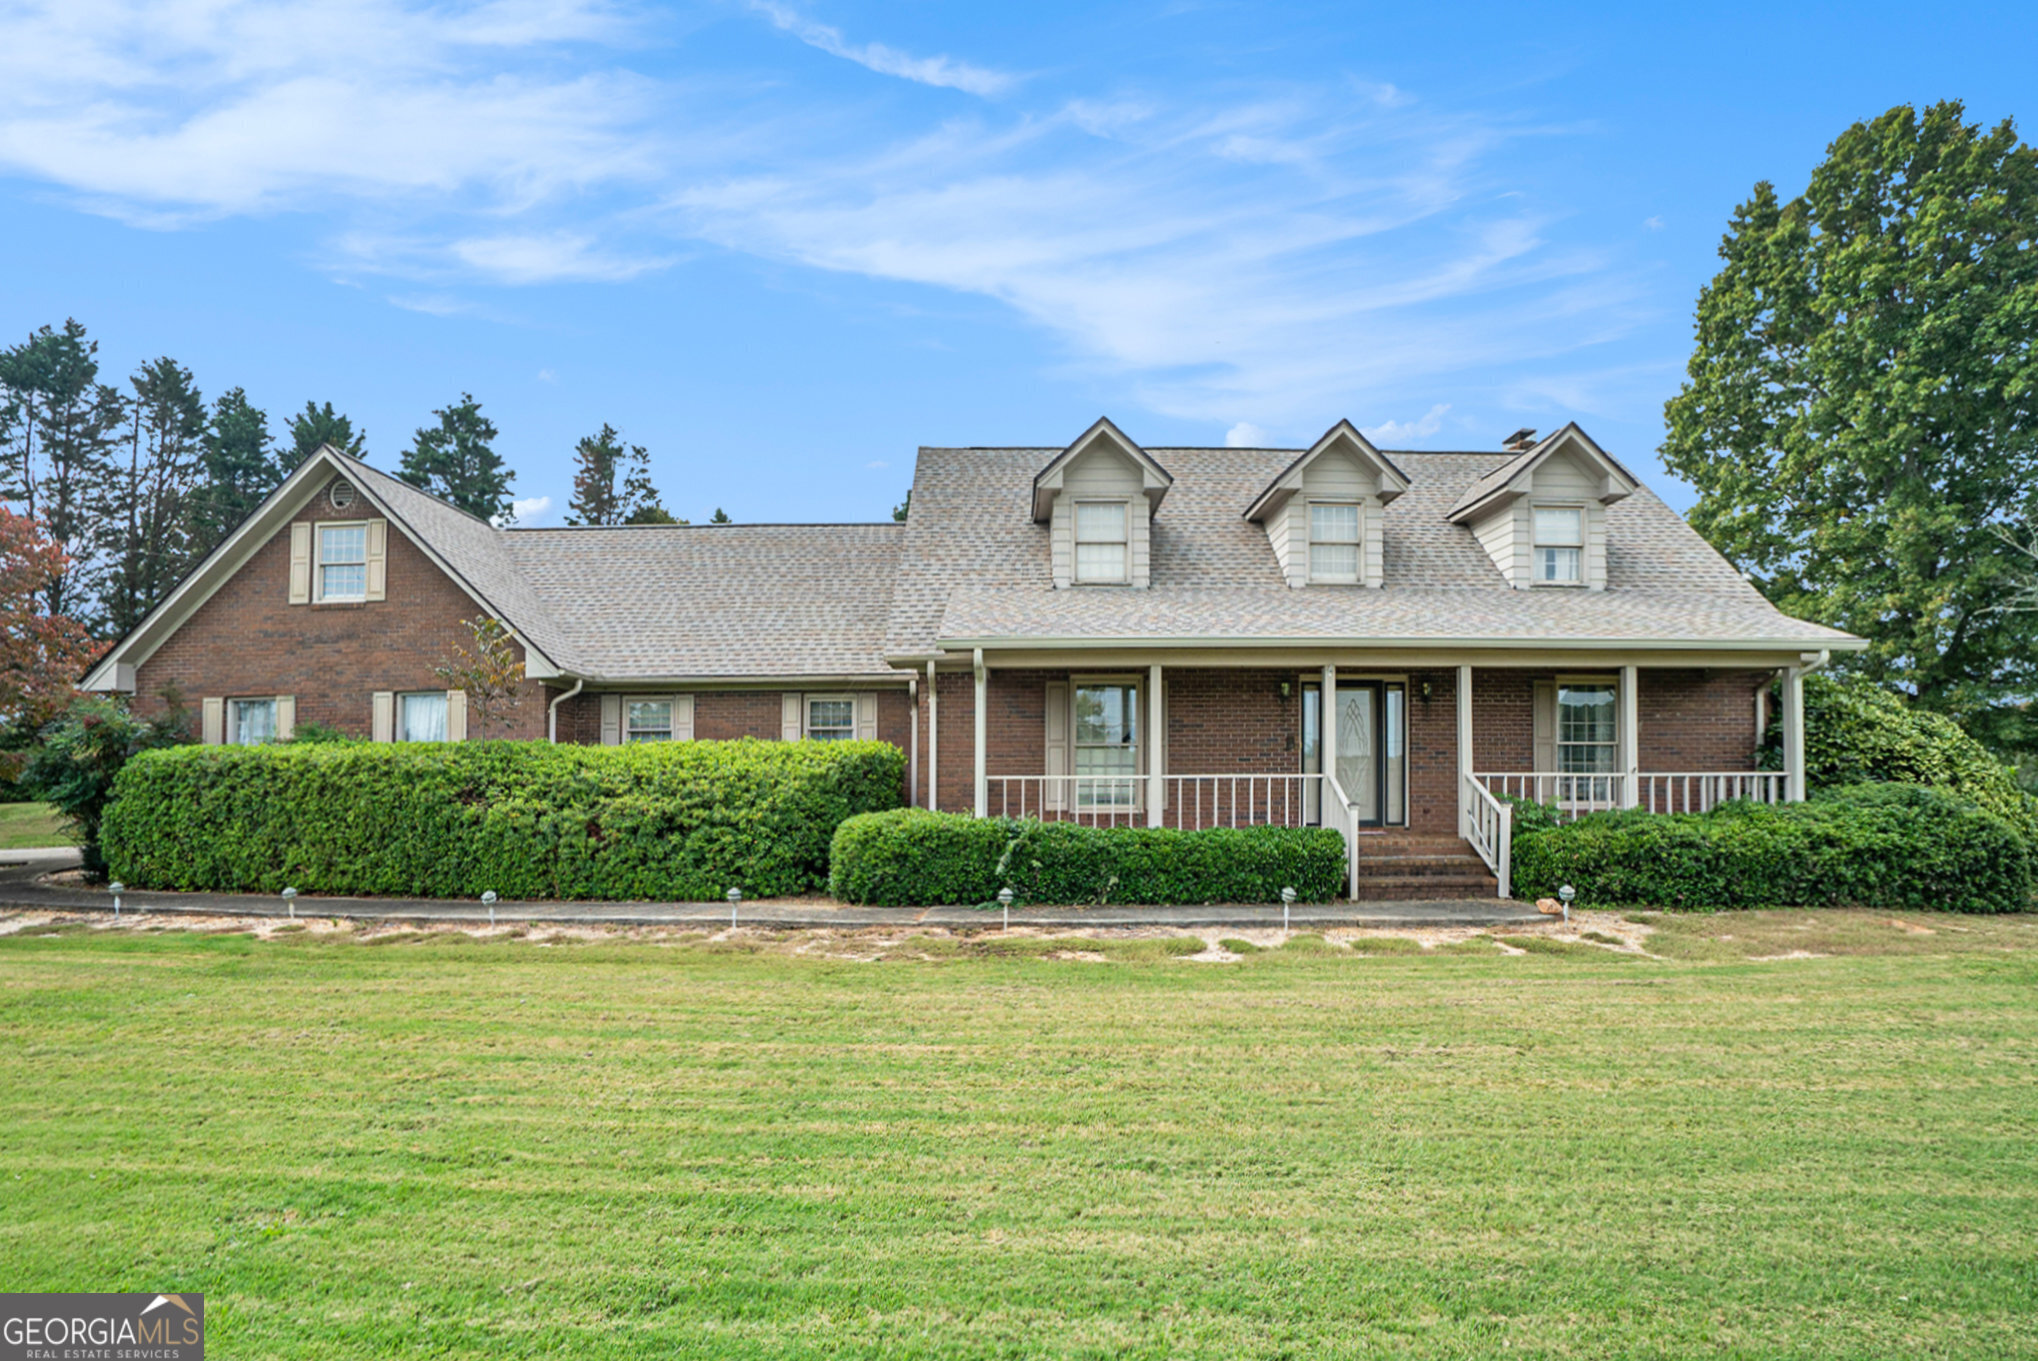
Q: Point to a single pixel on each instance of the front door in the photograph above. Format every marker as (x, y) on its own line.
(1372, 765)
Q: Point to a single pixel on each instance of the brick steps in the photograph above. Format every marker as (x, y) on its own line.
(1400, 866)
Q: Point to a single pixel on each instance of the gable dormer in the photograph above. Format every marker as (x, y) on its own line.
(1541, 516)
(1322, 514)
(1098, 498)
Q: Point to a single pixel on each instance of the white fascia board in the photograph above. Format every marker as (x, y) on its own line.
(865, 680)
(1151, 643)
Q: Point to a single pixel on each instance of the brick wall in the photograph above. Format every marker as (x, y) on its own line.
(249, 640)
(1698, 720)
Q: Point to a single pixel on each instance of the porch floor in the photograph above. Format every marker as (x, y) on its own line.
(22, 888)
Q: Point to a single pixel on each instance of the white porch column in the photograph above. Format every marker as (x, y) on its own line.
(933, 745)
(913, 745)
(1156, 752)
(1793, 734)
(1328, 737)
(983, 784)
(1465, 749)
(1630, 736)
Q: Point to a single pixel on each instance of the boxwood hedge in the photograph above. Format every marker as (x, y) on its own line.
(672, 821)
(1886, 846)
(912, 857)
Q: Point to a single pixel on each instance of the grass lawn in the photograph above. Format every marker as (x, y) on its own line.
(673, 1146)
(30, 824)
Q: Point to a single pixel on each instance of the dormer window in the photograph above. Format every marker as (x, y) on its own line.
(1334, 542)
(1559, 558)
(1101, 545)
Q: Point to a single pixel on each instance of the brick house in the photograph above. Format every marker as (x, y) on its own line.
(1377, 642)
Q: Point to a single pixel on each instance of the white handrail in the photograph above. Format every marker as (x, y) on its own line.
(1489, 827)
(1575, 793)
(1337, 813)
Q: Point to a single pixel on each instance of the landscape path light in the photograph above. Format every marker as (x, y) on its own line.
(735, 896)
(116, 888)
(1005, 901)
(1567, 893)
(290, 901)
(1287, 901)
(489, 898)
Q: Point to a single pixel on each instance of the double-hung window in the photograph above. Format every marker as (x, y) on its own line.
(1588, 741)
(421, 717)
(1107, 744)
(1333, 542)
(1102, 555)
(647, 720)
(1559, 546)
(831, 718)
(343, 562)
(254, 722)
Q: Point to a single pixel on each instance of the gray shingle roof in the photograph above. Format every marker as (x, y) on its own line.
(975, 566)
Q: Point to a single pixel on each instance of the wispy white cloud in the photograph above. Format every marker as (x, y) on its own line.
(526, 509)
(1422, 427)
(945, 72)
(549, 256)
(1245, 435)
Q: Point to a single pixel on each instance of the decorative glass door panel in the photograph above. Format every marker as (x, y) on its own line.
(1358, 749)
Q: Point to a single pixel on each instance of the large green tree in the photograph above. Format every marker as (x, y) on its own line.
(59, 426)
(149, 501)
(1861, 415)
(317, 426)
(240, 468)
(456, 461)
(612, 484)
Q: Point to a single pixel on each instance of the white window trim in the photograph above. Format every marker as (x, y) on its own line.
(1536, 544)
(232, 730)
(807, 703)
(1076, 541)
(1358, 542)
(1557, 744)
(1141, 702)
(318, 563)
(397, 728)
(671, 703)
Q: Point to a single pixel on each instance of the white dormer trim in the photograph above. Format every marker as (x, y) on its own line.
(1568, 470)
(1283, 507)
(1345, 437)
(1516, 478)
(1047, 484)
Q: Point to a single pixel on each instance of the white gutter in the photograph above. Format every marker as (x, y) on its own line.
(552, 711)
(1148, 642)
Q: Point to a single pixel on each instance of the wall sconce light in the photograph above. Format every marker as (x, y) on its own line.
(1284, 689)
(1425, 692)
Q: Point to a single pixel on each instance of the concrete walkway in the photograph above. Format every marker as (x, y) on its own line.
(21, 888)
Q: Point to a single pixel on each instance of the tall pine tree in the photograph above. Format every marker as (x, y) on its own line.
(58, 428)
(612, 484)
(240, 469)
(456, 461)
(150, 497)
(317, 426)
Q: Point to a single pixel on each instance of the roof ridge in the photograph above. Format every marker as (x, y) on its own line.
(709, 524)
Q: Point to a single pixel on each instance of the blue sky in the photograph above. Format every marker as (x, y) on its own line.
(783, 242)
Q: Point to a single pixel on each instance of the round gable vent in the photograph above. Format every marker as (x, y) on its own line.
(340, 495)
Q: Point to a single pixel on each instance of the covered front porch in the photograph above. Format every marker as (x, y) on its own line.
(1385, 754)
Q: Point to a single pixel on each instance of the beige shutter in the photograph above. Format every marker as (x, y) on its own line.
(212, 728)
(1545, 733)
(1057, 744)
(866, 716)
(611, 720)
(378, 554)
(790, 717)
(456, 715)
(382, 716)
(300, 564)
(286, 717)
(682, 718)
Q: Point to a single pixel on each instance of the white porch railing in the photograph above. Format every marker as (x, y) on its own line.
(1093, 800)
(1194, 802)
(1489, 827)
(1576, 794)
(1339, 814)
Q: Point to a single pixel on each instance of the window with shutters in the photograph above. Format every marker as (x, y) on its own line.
(831, 718)
(343, 562)
(421, 717)
(647, 720)
(251, 722)
(1559, 557)
(1333, 542)
(1103, 557)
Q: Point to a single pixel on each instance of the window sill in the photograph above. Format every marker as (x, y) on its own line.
(338, 604)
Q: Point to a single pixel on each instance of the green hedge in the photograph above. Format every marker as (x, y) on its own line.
(1856, 732)
(1887, 846)
(911, 857)
(671, 821)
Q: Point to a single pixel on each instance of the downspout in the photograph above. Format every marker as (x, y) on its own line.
(552, 710)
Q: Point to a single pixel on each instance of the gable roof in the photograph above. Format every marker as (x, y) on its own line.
(1619, 481)
(1047, 482)
(1393, 482)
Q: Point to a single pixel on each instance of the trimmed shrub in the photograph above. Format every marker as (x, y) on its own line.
(918, 858)
(1886, 846)
(77, 767)
(671, 821)
(1856, 732)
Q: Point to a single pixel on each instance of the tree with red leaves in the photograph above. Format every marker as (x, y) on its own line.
(41, 655)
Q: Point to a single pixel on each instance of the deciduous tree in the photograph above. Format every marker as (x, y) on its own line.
(490, 673)
(41, 655)
(1861, 413)
(456, 460)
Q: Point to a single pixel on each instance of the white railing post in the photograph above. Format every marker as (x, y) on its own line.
(1630, 734)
